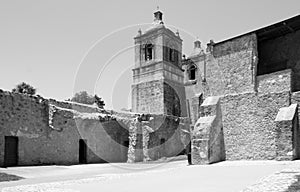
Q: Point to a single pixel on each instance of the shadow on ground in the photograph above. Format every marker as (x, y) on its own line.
(295, 187)
(8, 177)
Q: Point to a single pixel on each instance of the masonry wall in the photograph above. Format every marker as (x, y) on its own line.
(275, 82)
(148, 97)
(231, 68)
(249, 124)
(53, 138)
(279, 54)
(249, 102)
(27, 118)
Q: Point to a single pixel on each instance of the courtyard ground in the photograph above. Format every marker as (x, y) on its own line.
(172, 176)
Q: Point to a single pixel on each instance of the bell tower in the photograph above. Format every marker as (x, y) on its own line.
(157, 75)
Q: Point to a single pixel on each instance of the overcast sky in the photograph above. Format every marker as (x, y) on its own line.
(63, 46)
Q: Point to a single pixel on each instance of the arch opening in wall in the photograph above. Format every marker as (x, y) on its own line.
(148, 52)
(192, 72)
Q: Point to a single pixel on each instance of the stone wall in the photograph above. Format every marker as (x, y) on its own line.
(48, 134)
(281, 53)
(249, 124)
(84, 108)
(156, 137)
(27, 118)
(148, 97)
(275, 82)
(230, 68)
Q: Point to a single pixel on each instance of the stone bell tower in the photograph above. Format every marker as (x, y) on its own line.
(157, 76)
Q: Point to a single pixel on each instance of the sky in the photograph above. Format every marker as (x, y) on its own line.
(65, 46)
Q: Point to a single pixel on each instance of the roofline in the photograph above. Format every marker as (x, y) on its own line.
(260, 29)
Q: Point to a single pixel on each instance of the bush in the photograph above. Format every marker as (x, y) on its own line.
(24, 88)
(85, 98)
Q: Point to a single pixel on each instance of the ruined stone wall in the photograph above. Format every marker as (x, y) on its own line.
(84, 108)
(281, 53)
(48, 134)
(249, 124)
(105, 138)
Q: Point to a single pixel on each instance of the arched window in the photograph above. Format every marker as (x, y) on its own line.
(148, 52)
(171, 55)
(192, 72)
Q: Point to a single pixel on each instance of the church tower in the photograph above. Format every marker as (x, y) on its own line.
(157, 76)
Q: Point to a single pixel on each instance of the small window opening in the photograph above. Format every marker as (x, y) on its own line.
(172, 55)
(192, 72)
(148, 52)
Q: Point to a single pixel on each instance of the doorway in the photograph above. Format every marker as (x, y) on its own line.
(11, 151)
(82, 151)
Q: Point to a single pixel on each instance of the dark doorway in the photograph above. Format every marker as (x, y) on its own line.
(162, 147)
(82, 151)
(189, 152)
(11, 151)
(124, 150)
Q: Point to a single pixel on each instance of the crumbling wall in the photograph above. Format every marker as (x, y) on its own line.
(84, 108)
(157, 136)
(48, 134)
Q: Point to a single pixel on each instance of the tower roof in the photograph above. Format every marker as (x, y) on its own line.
(158, 25)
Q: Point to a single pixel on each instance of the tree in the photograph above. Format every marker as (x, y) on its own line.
(24, 88)
(100, 103)
(83, 97)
